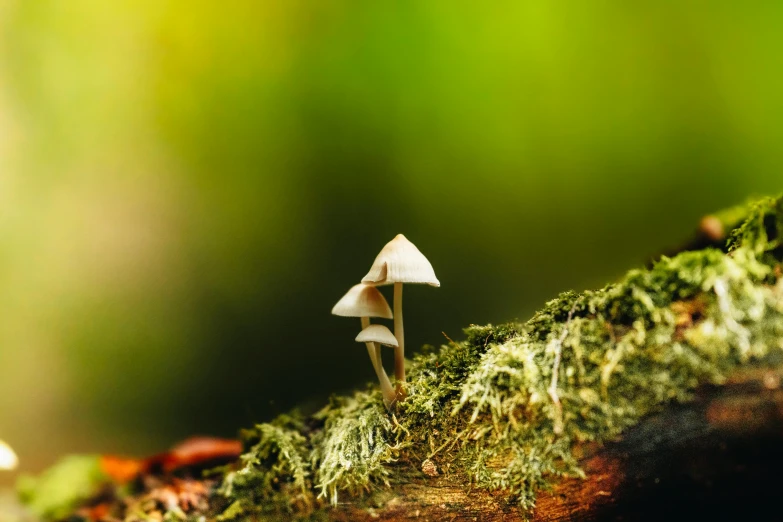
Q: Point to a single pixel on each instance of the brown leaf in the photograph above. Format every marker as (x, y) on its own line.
(122, 469)
(197, 450)
(191, 452)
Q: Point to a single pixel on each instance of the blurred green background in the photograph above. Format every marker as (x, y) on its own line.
(186, 189)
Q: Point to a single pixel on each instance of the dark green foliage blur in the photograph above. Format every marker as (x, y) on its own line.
(186, 190)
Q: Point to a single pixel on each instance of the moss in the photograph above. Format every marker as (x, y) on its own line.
(59, 490)
(505, 408)
(762, 232)
(273, 476)
(357, 442)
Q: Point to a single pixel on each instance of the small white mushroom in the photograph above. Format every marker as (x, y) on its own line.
(377, 333)
(8, 459)
(366, 301)
(363, 301)
(400, 262)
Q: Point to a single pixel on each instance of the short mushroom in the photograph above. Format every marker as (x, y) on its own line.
(8, 459)
(400, 262)
(378, 334)
(366, 301)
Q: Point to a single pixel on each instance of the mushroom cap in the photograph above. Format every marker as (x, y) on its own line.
(377, 333)
(363, 301)
(8, 459)
(400, 262)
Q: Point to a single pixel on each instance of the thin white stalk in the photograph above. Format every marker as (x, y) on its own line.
(374, 351)
(389, 395)
(399, 334)
(371, 351)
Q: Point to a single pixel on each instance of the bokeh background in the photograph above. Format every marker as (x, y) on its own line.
(187, 188)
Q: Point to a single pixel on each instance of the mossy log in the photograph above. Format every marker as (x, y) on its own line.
(718, 457)
(658, 392)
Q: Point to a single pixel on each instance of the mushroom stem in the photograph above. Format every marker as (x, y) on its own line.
(389, 395)
(399, 334)
(371, 351)
(374, 350)
(378, 356)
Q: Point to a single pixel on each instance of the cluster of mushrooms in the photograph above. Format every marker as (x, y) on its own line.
(399, 262)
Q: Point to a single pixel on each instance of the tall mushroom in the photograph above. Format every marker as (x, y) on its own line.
(400, 262)
(366, 301)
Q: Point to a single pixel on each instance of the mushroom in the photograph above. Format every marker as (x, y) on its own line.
(400, 262)
(8, 459)
(377, 333)
(366, 301)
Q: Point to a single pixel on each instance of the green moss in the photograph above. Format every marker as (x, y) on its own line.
(58, 491)
(762, 232)
(504, 408)
(486, 408)
(274, 474)
(357, 442)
